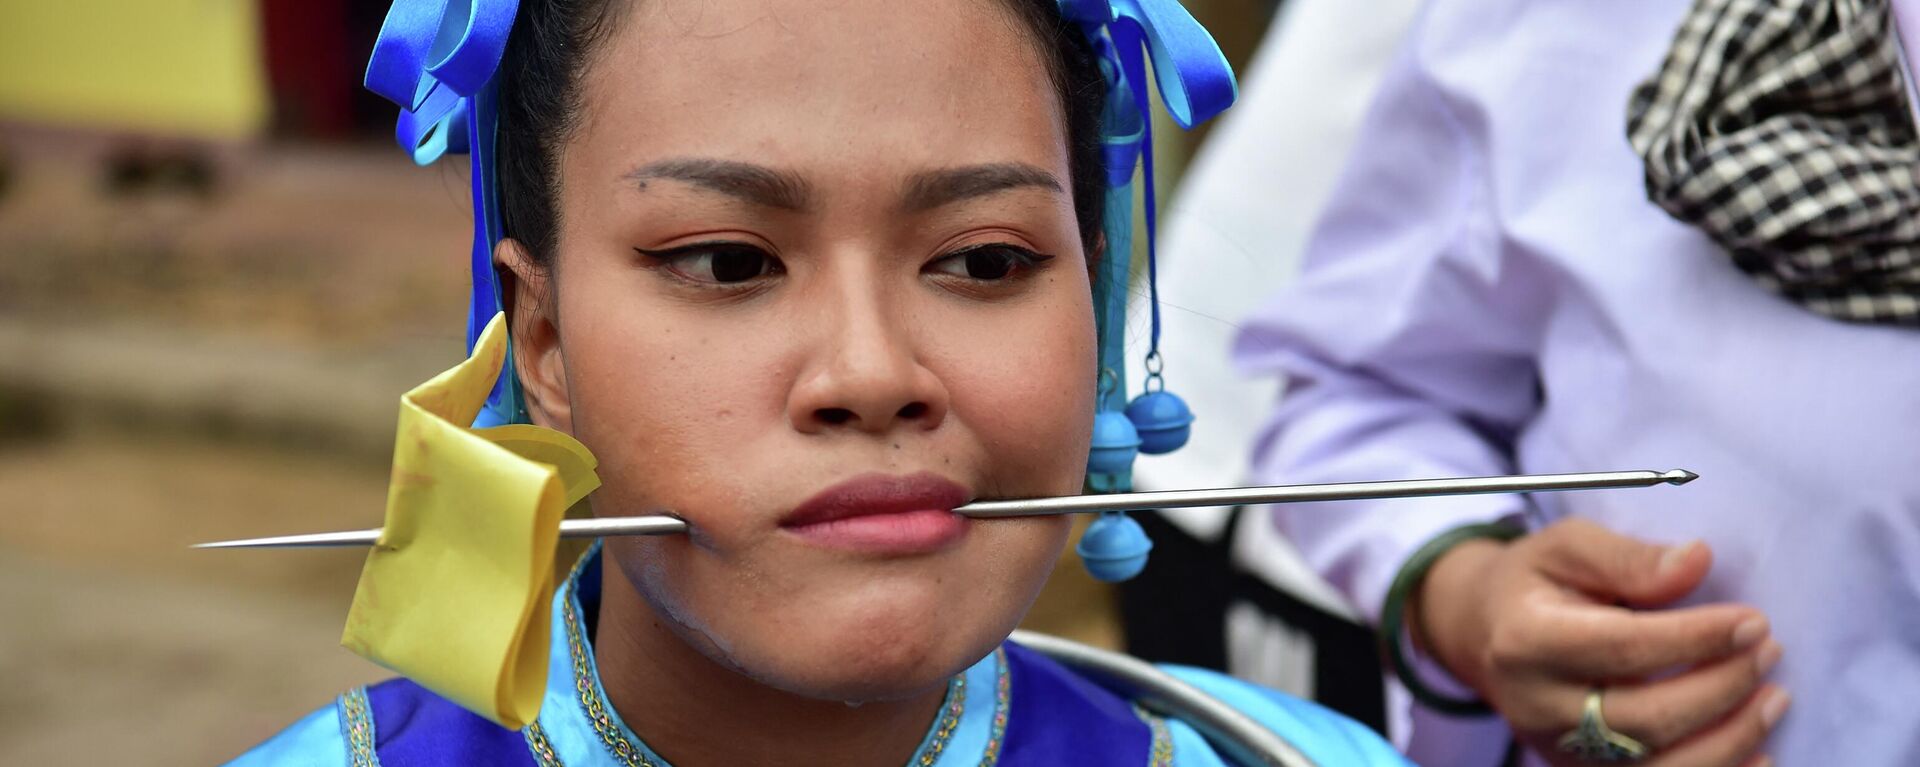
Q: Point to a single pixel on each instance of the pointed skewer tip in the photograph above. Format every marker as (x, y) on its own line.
(1680, 477)
(241, 544)
(235, 544)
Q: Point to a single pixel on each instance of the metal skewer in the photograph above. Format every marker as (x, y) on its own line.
(660, 524)
(1086, 504)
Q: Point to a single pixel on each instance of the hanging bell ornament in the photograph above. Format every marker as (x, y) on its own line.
(1115, 443)
(1163, 421)
(1114, 547)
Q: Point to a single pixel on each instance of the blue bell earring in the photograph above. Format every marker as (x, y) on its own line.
(1115, 438)
(1160, 417)
(1114, 548)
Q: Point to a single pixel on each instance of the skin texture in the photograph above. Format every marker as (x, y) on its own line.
(1534, 624)
(869, 351)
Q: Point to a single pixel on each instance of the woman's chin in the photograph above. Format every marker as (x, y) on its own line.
(857, 684)
(828, 625)
(871, 656)
(855, 681)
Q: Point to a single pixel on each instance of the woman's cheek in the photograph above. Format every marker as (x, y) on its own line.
(1034, 407)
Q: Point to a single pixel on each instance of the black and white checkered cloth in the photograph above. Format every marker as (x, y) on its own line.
(1781, 128)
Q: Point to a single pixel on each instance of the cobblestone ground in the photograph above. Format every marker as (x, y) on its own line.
(177, 369)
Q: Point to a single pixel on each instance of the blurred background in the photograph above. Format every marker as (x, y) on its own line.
(217, 275)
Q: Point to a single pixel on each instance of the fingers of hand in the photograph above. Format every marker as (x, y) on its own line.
(1733, 741)
(1584, 642)
(1585, 556)
(1665, 712)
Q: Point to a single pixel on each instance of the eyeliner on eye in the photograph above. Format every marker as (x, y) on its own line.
(718, 264)
(993, 262)
(1025, 254)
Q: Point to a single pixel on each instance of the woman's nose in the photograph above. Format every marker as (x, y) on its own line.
(866, 376)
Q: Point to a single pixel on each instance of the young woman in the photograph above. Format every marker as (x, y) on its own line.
(810, 276)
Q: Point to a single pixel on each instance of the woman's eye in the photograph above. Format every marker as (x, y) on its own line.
(717, 264)
(986, 262)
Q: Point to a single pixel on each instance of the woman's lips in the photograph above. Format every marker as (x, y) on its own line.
(883, 514)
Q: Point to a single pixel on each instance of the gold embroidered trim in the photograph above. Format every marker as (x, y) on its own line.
(1161, 753)
(356, 725)
(596, 708)
(949, 721)
(1002, 695)
(542, 750)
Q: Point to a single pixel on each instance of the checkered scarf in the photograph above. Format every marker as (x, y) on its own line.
(1781, 129)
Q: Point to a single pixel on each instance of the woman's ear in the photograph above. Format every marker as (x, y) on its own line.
(537, 356)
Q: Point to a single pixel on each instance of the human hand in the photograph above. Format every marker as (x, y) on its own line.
(1535, 624)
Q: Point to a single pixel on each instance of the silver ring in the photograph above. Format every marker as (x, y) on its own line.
(1594, 741)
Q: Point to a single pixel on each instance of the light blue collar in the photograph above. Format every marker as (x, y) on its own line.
(578, 727)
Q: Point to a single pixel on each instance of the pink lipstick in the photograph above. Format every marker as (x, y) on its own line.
(883, 514)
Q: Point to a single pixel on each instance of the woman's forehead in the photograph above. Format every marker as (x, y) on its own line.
(882, 87)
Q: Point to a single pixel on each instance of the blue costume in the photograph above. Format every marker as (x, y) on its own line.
(1021, 705)
(1014, 708)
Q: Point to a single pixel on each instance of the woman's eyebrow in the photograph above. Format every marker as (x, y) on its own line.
(757, 184)
(932, 189)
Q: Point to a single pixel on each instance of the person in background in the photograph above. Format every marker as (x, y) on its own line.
(1572, 238)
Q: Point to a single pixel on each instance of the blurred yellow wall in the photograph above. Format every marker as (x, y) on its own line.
(173, 67)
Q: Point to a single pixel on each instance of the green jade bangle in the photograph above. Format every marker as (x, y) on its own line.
(1393, 613)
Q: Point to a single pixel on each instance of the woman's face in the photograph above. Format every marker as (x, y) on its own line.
(817, 261)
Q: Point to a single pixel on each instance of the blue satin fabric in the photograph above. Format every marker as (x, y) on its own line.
(1195, 84)
(413, 726)
(1060, 718)
(436, 59)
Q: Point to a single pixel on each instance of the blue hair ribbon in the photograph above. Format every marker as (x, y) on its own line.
(1195, 84)
(436, 59)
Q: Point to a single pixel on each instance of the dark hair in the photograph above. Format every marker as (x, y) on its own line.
(553, 41)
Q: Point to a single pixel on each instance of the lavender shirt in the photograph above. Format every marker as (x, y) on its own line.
(1489, 291)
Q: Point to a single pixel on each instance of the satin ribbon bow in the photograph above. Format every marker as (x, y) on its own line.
(436, 59)
(1195, 84)
(1195, 80)
(432, 58)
